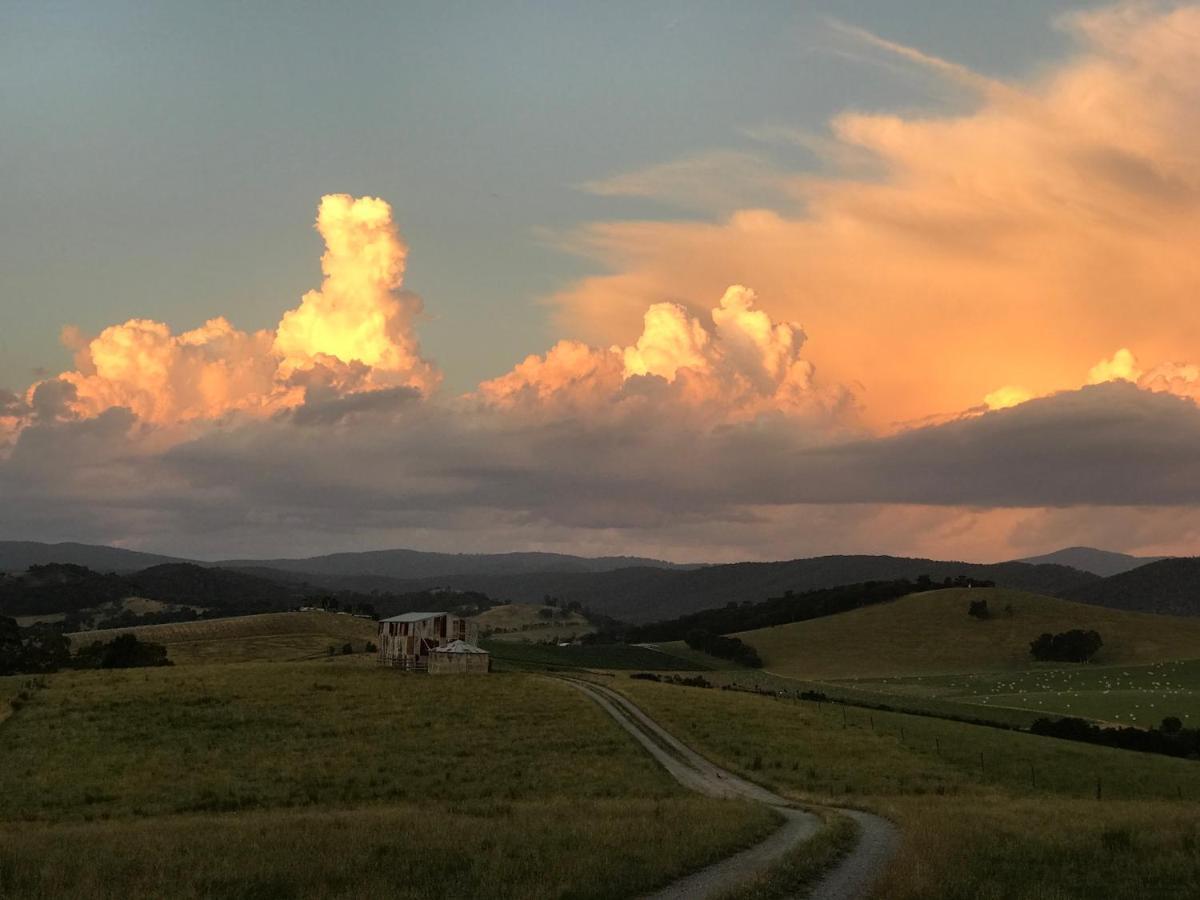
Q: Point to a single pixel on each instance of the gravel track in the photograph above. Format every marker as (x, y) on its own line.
(849, 879)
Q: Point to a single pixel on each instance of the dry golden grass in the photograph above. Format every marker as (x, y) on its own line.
(553, 848)
(974, 823)
(931, 633)
(285, 636)
(288, 780)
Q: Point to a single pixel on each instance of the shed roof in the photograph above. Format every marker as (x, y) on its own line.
(413, 617)
(458, 647)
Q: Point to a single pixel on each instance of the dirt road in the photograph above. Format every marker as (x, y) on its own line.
(849, 879)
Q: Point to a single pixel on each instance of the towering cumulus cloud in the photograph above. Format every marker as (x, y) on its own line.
(356, 333)
(737, 365)
(359, 314)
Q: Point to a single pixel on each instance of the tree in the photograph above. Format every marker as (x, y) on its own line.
(979, 609)
(1075, 645)
(37, 649)
(124, 651)
(1171, 725)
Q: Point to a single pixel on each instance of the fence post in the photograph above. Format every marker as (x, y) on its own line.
(1032, 775)
(872, 718)
(1099, 789)
(981, 762)
(843, 715)
(937, 746)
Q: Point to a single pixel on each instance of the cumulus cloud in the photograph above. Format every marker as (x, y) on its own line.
(356, 333)
(736, 366)
(1013, 244)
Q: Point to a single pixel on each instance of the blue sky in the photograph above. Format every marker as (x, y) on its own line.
(164, 159)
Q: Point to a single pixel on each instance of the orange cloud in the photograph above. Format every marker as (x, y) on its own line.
(1014, 244)
(355, 333)
(741, 365)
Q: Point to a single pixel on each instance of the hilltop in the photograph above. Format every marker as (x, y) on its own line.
(931, 633)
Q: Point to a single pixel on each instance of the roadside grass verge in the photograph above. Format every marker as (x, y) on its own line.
(1030, 849)
(803, 867)
(984, 812)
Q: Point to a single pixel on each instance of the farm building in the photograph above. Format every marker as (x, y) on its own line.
(405, 641)
(459, 657)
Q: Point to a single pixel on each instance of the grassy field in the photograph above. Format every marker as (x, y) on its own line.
(984, 812)
(510, 655)
(931, 633)
(289, 780)
(1124, 695)
(286, 636)
(524, 622)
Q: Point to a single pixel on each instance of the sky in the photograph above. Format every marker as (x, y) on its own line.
(682, 279)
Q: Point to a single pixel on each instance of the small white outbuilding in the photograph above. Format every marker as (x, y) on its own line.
(459, 657)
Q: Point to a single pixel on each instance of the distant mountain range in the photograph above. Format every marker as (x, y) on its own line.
(407, 564)
(1088, 559)
(635, 589)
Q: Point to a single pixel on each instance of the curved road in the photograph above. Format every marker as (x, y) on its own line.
(848, 880)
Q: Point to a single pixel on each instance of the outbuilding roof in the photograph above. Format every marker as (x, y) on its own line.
(413, 617)
(458, 647)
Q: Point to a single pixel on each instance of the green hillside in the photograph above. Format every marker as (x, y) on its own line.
(931, 633)
(266, 637)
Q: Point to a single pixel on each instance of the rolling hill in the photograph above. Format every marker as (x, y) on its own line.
(1170, 586)
(418, 564)
(632, 589)
(931, 633)
(17, 556)
(642, 595)
(278, 637)
(1088, 559)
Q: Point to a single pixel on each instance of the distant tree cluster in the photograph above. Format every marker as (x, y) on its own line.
(1075, 645)
(1169, 738)
(124, 651)
(722, 647)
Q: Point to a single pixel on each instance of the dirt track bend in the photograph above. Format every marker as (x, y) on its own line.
(849, 879)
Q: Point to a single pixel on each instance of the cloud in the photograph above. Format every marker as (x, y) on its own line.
(356, 333)
(1013, 244)
(736, 366)
(383, 468)
(956, 297)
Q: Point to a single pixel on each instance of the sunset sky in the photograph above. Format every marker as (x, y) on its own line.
(692, 281)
